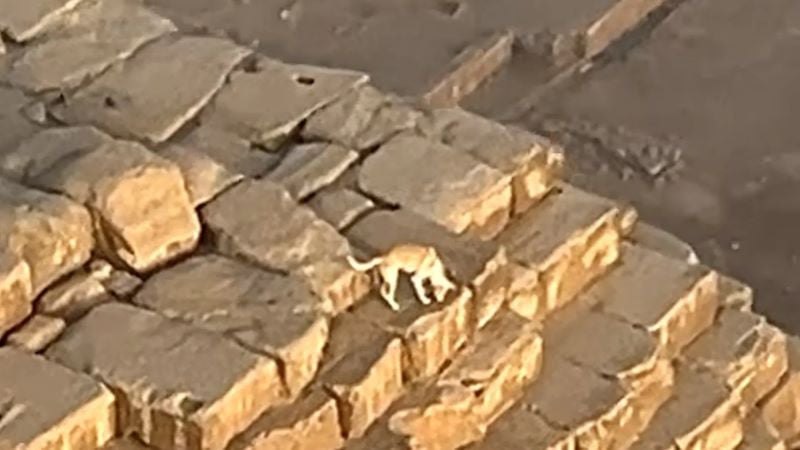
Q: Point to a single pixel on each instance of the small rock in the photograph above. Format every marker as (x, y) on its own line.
(37, 333)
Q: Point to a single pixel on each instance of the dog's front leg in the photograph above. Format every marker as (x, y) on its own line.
(389, 288)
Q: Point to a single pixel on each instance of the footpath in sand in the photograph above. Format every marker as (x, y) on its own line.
(177, 211)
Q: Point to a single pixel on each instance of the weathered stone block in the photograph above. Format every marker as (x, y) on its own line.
(125, 102)
(440, 183)
(265, 102)
(734, 294)
(336, 283)
(309, 423)
(47, 407)
(205, 178)
(671, 299)
(363, 371)
(23, 21)
(91, 38)
(72, 297)
(658, 240)
(757, 435)
(361, 119)
(265, 312)
(569, 240)
(126, 443)
(234, 153)
(16, 291)
(744, 351)
(307, 168)
(259, 221)
(50, 233)
(143, 215)
(478, 264)
(340, 207)
(15, 126)
(36, 333)
(177, 386)
(532, 161)
(781, 409)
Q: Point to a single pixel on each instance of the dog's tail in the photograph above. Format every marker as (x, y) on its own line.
(364, 266)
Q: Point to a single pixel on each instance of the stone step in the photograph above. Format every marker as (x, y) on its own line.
(781, 409)
(757, 435)
(42, 403)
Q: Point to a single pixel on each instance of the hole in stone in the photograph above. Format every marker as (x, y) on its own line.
(110, 102)
(272, 302)
(306, 81)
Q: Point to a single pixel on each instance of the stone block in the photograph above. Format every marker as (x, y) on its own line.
(336, 283)
(440, 183)
(234, 153)
(143, 214)
(340, 207)
(781, 409)
(361, 119)
(177, 386)
(51, 233)
(480, 384)
(700, 414)
(532, 161)
(24, 21)
(267, 100)
(664, 242)
(307, 168)
(16, 291)
(268, 313)
(520, 429)
(430, 334)
(125, 102)
(309, 423)
(48, 407)
(259, 221)
(568, 241)
(36, 333)
(477, 264)
(75, 295)
(362, 370)
(734, 294)
(125, 443)
(671, 299)
(744, 351)
(91, 38)
(205, 178)
(16, 127)
(757, 435)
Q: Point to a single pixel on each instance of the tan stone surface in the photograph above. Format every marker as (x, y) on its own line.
(205, 178)
(258, 220)
(440, 183)
(658, 240)
(336, 283)
(126, 443)
(307, 168)
(277, 315)
(142, 211)
(568, 240)
(49, 232)
(16, 290)
(340, 207)
(73, 296)
(671, 299)
(177, 385)
(125, 102)
(234, 153)
(532, 161)
(23, 21)
(735, 294)
(481, 265)
(91, 38)
(781, 409)
(48, 407)
(362, 118)
(363, 371)
(35, 334)
(757, 435)
(310, 423)
(12, 121)
(744, 351)
(292, 92)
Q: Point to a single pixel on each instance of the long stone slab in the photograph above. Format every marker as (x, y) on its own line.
(44, 406)
(125, 101)
(15, 127)
(23, 21)
(176, 385)
(94, 36)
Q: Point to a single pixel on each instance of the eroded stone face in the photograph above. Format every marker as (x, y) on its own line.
(37, 333)
(273, 314)
(23, 21)
(205, 177)
(307, 168)
(439, 183)
(237, 155)
(125, 102)
(340, 207)
(266, 103)
(16, 291)
(90, 38)
(46, 406)
(259, 221)
(15, 126)
(202, 387)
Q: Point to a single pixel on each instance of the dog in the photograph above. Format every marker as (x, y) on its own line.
(420, 262)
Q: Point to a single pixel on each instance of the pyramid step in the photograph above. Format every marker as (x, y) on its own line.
(781, 409)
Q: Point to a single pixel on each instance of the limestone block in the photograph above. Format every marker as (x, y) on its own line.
(277, 315)
(91, 38)
(23, 21)
(307, 168)
(234, 153)
(16, 291)
(205, 178)
(734, 294)
(126, 443)
(16, 127)
(658, 240)
(125, 102)
(757, 435)
(177, 386)
(289, 92)
(340, 207)
(336, 283)
(35, 334)
(440, 183)
(781, 409)
(48, 407)
(75, 295)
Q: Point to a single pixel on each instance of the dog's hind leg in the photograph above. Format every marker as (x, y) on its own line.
(419, 289)
(389, 287)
